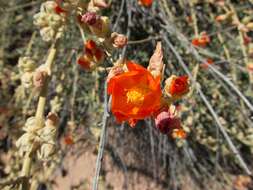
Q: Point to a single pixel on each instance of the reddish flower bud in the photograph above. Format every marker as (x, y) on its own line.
(52, 119)
(90, 18)
(166, 122)
(177, 86)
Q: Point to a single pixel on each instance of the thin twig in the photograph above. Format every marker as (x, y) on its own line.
(129, 24)
(102, 140)
(119, 15)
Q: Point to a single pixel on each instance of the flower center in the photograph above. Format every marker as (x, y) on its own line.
(136, 95)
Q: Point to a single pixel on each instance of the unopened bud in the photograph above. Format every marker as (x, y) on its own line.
(90, 18)
(118, 40)
(39, 78)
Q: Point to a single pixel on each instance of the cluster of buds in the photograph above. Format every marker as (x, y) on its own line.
(137, 94)
(41, 140)
(50, 20)
(104, 41)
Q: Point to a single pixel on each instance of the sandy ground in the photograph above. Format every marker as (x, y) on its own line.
(82, 169)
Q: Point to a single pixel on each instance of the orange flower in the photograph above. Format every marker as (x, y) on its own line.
(202, 40)
(146, 3)
(176, 87)
(136, 94)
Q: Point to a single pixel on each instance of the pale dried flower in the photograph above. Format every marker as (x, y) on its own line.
(156, 61)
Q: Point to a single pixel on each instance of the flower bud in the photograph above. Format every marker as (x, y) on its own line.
(39, 78)
(90, 18)
(168, 123)
(176, 86)
(52, 119)
(165, 122)
(118, 40)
